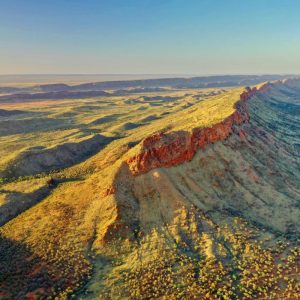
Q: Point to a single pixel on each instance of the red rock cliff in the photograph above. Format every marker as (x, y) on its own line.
(165, 150)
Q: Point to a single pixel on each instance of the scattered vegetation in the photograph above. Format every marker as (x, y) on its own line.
(222, 263)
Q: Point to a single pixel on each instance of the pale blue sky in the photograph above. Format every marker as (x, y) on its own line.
(150, 36)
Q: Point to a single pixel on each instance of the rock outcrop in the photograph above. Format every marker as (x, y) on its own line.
(169, 149)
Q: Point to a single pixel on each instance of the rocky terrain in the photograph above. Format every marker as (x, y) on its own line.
(175, 194)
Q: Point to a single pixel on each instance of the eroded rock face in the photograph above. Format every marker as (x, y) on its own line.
(165, 150)
(109, 191)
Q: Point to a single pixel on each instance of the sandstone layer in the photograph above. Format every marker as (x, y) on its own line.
(170, 149)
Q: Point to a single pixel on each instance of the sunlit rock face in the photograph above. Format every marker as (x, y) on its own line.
(165, 150)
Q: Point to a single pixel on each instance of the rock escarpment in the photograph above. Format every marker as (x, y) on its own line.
(170, 149)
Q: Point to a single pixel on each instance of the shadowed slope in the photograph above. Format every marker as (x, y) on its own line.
(34, 161)
(31, 278)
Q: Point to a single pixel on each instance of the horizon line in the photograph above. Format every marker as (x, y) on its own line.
(147, 74)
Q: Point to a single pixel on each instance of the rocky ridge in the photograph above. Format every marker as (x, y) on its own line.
(170, 149)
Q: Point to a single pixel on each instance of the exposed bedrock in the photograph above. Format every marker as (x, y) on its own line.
(248, 166)
(170, 149)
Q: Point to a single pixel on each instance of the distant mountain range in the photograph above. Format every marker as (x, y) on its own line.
(94, 89)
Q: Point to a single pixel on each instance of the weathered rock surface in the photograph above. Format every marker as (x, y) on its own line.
(170, 149)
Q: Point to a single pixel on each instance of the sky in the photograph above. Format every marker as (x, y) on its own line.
(200, 37)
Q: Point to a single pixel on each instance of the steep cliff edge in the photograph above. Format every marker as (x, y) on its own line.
(170, 149)
(247, 165)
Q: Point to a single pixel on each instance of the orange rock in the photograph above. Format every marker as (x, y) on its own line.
(265, 87)
(165, 150)
(109, 191)
(242, 134)
(30, 296)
